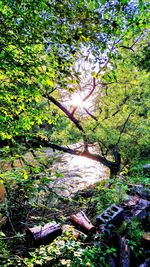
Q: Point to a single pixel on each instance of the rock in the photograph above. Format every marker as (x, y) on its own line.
(136, 207)
(141, 190)
(140, 214)
(140, 210)
(134, 200)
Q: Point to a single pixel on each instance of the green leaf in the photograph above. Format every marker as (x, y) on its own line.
(103, 2)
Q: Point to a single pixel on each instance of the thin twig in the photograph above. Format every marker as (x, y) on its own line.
(123, 128)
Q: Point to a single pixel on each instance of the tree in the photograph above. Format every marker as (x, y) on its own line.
(39, 54)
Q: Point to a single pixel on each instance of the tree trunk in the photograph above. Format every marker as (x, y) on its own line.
(114, 169)
(115, 166)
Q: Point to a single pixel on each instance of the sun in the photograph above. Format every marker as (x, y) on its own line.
(77, 101)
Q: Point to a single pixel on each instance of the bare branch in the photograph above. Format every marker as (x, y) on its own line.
(91, 115)
(71, 117)
(131, 47)
(121, 104)
(127, 47)
(66, 111)
(136, 40)
(91, 92)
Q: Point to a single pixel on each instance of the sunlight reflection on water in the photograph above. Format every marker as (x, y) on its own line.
(77, 173)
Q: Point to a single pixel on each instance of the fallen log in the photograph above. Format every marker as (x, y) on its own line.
(81, 221)
(42, 235)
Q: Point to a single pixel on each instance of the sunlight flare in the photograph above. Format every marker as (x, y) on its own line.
(77, 101)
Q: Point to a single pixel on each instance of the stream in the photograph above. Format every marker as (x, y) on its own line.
(68, 173)
(75, 172)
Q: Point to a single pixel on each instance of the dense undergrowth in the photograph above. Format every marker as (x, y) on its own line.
(20, 211)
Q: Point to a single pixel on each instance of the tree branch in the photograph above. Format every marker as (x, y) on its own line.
(123, 128)
(87, 96)
(92, 90)
(91, 115)
(127, 47)
(120, 105)
(38, 141)
(66, 111)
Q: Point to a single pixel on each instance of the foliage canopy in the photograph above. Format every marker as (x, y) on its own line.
(52, 49)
